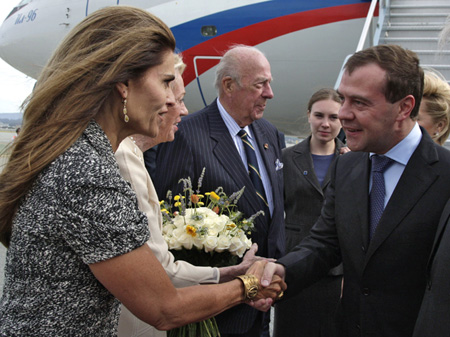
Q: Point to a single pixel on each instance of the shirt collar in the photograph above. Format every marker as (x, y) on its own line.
(232, 126)
(406, 147)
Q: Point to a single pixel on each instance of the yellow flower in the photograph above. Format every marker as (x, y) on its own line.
(165, 211)
(191, 230)
(214, 196)
(177, 204)
(176, 198)
(207, 193)
(201, 203)
(161, 202)
(231, 226)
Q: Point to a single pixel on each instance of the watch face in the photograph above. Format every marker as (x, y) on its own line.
(252, 291)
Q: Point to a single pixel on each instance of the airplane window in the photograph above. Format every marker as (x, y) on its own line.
(21, 4)
(209, 30)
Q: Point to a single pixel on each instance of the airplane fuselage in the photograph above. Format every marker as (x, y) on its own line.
(305, 41)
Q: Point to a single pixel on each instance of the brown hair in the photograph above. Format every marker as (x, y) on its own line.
(323, 94)
(404, 76)
(112, 45)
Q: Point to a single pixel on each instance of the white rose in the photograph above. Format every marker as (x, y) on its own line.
(241, 251)
(186, 240)
(189, 212)
(236, 244)
(173, 243)
(210, 243)
(167, 230)
(213, 231)
(203, 211)
(178, 232)
(178, 221)
(247, 243)
(223, 243)
(198, 242)
(223, 219)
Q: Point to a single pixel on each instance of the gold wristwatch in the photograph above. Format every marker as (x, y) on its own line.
(251, 285)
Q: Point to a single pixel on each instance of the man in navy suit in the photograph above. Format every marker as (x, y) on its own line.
(385, 261)
(209, 139)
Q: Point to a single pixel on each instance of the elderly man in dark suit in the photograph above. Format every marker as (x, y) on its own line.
(379, 221)
(434, 313)
(212, 138)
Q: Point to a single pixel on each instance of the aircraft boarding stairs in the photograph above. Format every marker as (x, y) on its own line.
(416, 25)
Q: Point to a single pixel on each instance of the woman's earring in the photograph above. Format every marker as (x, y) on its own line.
(125, 118)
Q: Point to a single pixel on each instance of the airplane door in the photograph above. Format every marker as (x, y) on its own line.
(93, 5)
(204, 67)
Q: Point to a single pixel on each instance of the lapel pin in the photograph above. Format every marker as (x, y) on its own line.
(266, 146)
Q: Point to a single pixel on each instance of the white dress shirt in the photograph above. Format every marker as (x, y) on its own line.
(234, 128)
(400, 153)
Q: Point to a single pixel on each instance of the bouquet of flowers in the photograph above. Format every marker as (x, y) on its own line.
(205, 230)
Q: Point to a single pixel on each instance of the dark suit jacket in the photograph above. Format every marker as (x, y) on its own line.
(303, 195)
(202, 141)
(434, 315)
(384, 280)
(312, 311)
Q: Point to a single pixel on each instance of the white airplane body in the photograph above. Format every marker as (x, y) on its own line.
(305, 41)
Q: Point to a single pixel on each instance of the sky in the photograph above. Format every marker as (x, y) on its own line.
(14, 85)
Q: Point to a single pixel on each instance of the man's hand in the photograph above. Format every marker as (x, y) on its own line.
(250, 257)
(270, 270)
(269, 293)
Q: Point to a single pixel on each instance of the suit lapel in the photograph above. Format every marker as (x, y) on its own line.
(337, 152)
(303, 161)
(225, 152)
(358, 195)
(443, 223)
(415, 180)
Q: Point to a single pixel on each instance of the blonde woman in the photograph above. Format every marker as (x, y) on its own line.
(75, 234)
(434, 112)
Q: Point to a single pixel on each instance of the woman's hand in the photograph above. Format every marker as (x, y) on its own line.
(266, 296)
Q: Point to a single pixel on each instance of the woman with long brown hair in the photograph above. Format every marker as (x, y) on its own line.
(75, 234)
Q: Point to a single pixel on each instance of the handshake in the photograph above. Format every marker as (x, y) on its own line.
(263, 284)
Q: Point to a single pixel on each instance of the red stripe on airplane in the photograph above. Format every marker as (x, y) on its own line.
(266, 30)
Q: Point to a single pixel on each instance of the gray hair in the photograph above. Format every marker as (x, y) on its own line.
(230, 65)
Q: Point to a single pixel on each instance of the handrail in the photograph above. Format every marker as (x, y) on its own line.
(367, 24)
(383, 16)
(197, 75)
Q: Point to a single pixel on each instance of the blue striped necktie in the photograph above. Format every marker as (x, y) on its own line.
(378, 191)
(253, 170)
